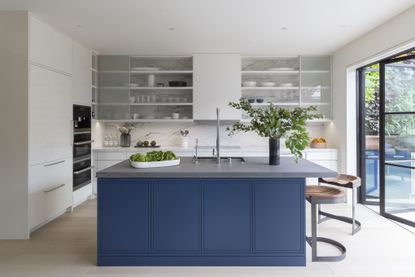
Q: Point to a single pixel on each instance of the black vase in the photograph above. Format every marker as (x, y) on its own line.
(125, 140)
(274, 151)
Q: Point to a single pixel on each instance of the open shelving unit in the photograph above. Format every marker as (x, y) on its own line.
(138, 88)
(296, 81)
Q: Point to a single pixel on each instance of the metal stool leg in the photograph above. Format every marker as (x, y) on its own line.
(313, 232)
(355, 228)
(312, 241)
(356, 225)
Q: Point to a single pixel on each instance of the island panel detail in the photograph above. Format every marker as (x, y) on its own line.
(201, 222)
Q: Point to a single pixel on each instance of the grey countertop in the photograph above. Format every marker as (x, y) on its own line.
(254, 167)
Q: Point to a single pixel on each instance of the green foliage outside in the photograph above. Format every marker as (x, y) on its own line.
(399, 97)
(275, 122)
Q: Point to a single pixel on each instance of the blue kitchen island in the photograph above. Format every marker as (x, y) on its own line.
(205, 214)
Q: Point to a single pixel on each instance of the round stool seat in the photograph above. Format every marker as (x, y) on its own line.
(324, 194)
(343, 180)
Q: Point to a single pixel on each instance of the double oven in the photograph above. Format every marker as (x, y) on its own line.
(82, 146)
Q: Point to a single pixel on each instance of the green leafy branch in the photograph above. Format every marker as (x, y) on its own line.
(275, 122)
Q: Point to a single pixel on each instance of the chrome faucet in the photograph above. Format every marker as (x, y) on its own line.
(196, 155)
(217, 135)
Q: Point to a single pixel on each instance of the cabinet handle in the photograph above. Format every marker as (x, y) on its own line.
(84, 142)
(53, 188)
(82, 170)
(54, 163)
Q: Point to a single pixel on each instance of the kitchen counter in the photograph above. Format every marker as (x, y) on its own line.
(205, 214)
(254, 167)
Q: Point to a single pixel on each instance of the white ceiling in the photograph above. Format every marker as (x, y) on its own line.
(244, 26)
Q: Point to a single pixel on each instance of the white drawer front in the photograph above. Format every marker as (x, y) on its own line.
(48, 175)
(50, 190)
(109, 156)
(321, 156)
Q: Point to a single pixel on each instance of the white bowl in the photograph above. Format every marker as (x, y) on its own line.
(154, 164)
(282, 69)
(287, 85)
(268, 84)
(249, 83)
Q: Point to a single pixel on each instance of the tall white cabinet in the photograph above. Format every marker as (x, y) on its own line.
(50, 123)
(36, 149)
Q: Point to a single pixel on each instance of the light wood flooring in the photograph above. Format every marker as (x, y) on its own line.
(66, 247)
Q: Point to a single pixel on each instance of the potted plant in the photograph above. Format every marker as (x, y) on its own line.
(276, 123)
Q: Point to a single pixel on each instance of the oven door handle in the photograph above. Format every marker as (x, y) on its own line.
(83, 170)
(83, 142)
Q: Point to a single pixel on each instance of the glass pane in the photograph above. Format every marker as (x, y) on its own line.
(371, 131)
(400, 192)
(399, 138)
(400, 86)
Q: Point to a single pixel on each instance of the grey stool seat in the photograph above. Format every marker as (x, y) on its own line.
(345, 181)
(323, 195)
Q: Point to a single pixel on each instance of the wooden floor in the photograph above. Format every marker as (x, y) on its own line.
(66, 247)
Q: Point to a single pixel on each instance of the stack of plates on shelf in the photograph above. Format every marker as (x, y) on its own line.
(268, 84)
(145, 68)
(134, 85)
(281, 69)
(249, 83)
(287, 85)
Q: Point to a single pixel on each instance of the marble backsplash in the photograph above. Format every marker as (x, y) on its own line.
(168, 134)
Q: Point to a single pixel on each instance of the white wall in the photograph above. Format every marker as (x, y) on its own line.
(13, 136)
(393, 36)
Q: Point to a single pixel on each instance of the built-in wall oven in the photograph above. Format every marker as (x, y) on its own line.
(82, 146)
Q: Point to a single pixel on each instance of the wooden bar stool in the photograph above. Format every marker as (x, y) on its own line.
(345, 181)
(323, 195)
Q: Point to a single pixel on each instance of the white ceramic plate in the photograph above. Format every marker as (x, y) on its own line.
(145, 68)
(154, 164)
(287, 85)
(249, 84)
(281, 69)
(268, 84)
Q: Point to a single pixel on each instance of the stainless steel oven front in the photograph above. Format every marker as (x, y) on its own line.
(81, 172)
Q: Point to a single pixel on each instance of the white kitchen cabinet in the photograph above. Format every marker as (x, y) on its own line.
(50, 191)
(40, 42)
(50, 115)
(49, 47)
(216, 82)
(82, 78)
(324, 157)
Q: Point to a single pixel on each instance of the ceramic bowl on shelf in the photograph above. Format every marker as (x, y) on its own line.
(268, 84)
(249, 84)
(145, 68)
(177, 84)
(251, 100)
(287, 85)
(260, 100)
(175, 115)
(281, 69)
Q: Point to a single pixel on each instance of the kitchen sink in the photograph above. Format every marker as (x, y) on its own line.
(223, 159)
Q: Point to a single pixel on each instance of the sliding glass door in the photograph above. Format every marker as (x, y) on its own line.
(397, 138)
(369, 134)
